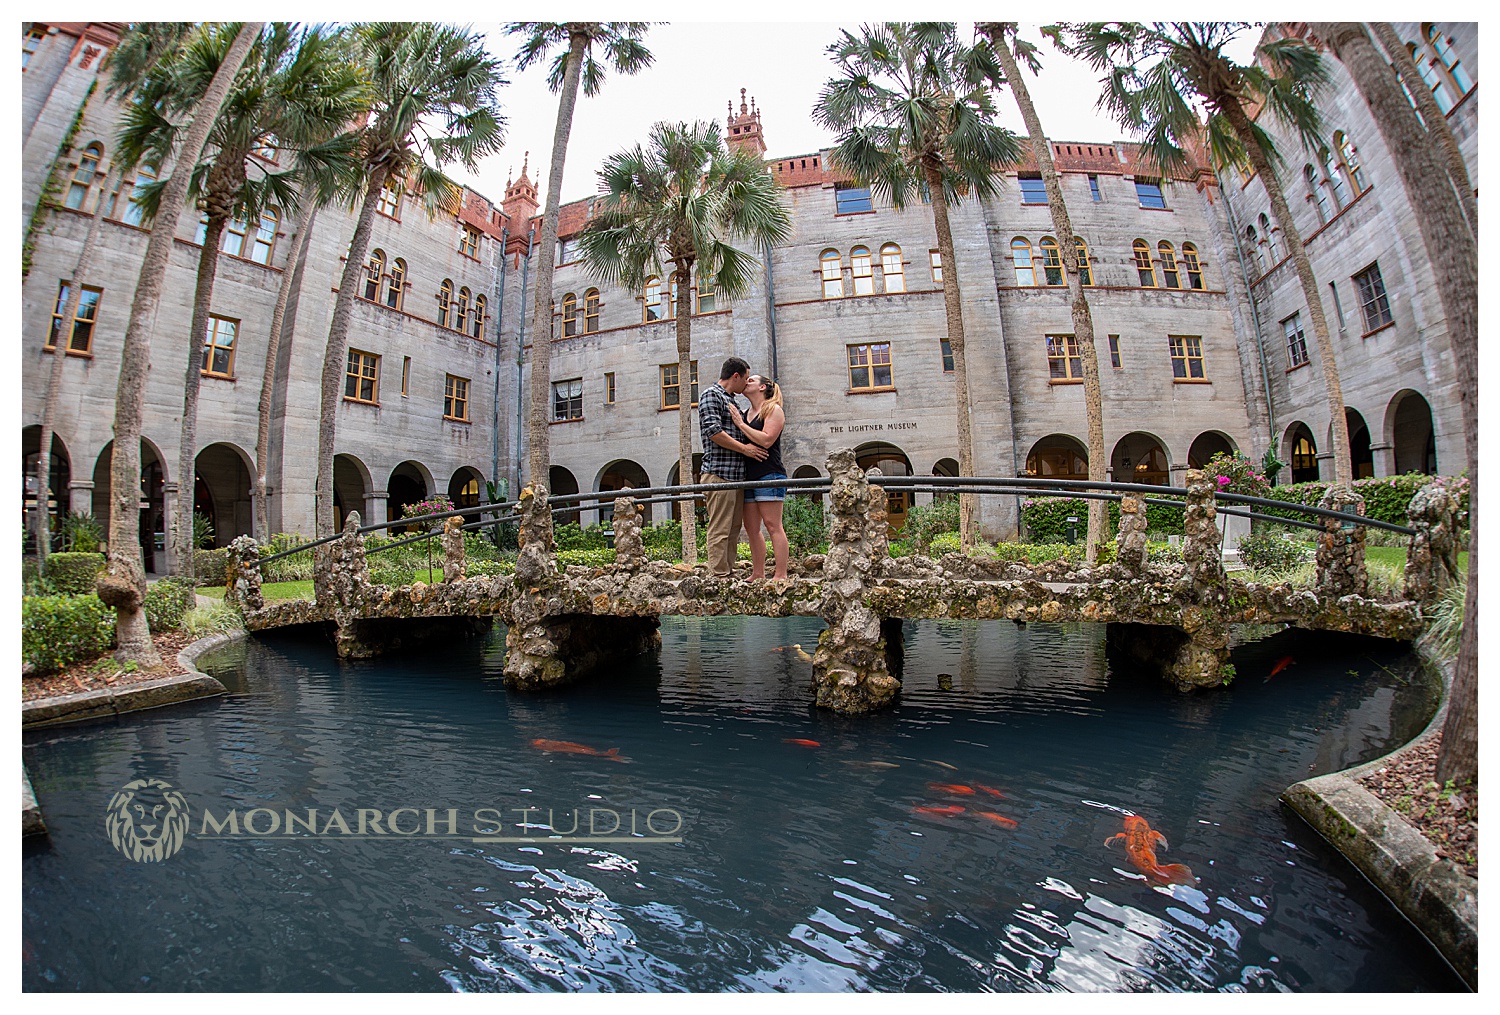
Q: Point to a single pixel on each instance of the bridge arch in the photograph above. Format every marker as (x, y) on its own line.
(1300, 451)
(352, 484)
(466, 487)
(1409, 431)
(561, 482)
(1206, 445)
(154, 476)
(60, 474)
(891, 461)
(1141, 457)
(1058, 456)
(222, 480)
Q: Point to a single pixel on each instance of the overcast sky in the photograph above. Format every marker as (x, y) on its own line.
(700, 67)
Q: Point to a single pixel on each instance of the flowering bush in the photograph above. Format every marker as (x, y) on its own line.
(1237, 474)
(432, 505)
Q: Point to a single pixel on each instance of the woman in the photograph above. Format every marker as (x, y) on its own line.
(763, 503)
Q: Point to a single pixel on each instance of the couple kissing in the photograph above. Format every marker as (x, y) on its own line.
(741, 446)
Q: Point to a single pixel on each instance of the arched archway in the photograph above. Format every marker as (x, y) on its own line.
(620, 474)
(891, 461)
(561, 482)
(60, 474)
(807, 472)
(699, 510)
(1360, 456)
(1301, 451)
(1410, 434)
(1206, 445)
(1140, 457)
(152, 531)
(221, 491)
(466, 487)
(1058, 456)
(351, 485)
(408, 484)
(945, 467)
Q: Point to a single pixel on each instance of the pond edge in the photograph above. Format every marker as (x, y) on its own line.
(1433, 893)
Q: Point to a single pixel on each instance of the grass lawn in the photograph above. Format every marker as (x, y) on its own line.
(1397, 555)
(271, 590)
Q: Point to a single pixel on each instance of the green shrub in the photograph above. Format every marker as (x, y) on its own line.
(166, 602)
(1446, 619)
(479, 547)
(487, 568)
(210, 566)
(214, 617)
(33, 582)
(203, 531)
(928, 520)
(74, 573)
(1046, 518)
(588, 558)
(1386, 498)
(1163, 553)
(806, 525)
(80, 532)
(665, 535)
(1270, 552)
(944, 542)
(57, 631)
(569, 536)
(297, 568)
(900, 548)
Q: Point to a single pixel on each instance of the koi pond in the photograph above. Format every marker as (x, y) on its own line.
(385, 825)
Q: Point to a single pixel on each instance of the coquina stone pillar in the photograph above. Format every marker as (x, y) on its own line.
(242, 575)
(1201, 552)
(340, 579)
(1130, 542)
(453, 549)
(854, 666)
(1341, 551)
(1432, 554)
(630, 549)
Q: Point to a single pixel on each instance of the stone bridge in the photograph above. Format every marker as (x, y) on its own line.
(566, 622)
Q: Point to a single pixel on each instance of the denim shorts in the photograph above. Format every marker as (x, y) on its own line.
(762, 493)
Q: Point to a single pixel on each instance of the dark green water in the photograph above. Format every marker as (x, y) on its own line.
(798, 868)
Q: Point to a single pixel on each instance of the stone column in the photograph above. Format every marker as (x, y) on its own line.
(169, 492)
(453, 549)
(630, 549)
(377, 507)
(1200, 541)
(851, 669)
(81, 496)
(1341, 551)
(1130, 542)
(347, 579)
(1385, 458)
(242, 574)
(1432, 554)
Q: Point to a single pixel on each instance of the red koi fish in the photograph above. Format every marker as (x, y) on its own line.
(568, 747)
(1282, 664)
(1141, 841)
(992, 792)
(941, 812)
(950, 789)
(999, 819)
(801, 743)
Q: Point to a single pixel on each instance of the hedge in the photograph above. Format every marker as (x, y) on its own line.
(74, 573)
(57, 631)
(1386, 498)
(167, 602)
(1046, 518)
(210, 566)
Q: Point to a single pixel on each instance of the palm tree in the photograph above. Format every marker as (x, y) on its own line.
(123, 583)
(139, 51)
(1454, 255)
(914, 119)
(620, 42)
(683, 200)
(1083, 319)
(422, 75)
(1153, 70)
(294, 96)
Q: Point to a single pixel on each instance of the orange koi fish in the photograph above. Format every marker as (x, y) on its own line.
(992, 792)
(801, 743)
(999, 819)
(950, 789)
(568, 747)
(941, 812)
(1284, 662)
(1140, 842)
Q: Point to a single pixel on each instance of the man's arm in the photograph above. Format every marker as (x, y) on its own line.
(714, 428)
(723, 440)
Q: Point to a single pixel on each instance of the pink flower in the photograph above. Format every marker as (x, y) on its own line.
(1223, 480)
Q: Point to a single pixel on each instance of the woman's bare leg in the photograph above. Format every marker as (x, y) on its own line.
(757, 542)
(770, 514)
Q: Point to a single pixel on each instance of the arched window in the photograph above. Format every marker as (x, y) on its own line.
(1085, 269)
(1170, 278)
(1020, 253)
(132, 211)
(1268, 234)
(863, 270)
(1334, 180)
(892, 268)
(395, 284)
(461, 322)
(672, 299)
(570, 315)
(1433, 78)
(833, 274)
(1052, 262)
(1143, 266)
(477, 327)
(1349, 163)
(1315, 192)
(83, 179)
(1192, 265)
(591, 311)
(373, 271)
(1252, 244)
(653, 299)
(445, 303)
(1443, 47)
(706, 299)
(265, 237)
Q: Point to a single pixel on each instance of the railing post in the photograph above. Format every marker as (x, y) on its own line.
(1432, 553)
(1130, 543)
(630, 549)
(339, 568)
(1341, 547)
(453, 549)
(535, 563)
(242, 575)
(1200, 542)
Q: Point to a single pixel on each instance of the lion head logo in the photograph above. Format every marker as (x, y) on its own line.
(147, 820)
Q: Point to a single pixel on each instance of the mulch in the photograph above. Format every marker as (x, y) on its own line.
(102, 671)
(1449, 820)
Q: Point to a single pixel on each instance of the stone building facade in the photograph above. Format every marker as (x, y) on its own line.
(847, 315)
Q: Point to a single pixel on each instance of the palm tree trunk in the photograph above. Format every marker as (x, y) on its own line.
(1343, 469)
(268, 375)
(1453, 252)
(968, 523)
(183, 544)
(683, 277)
(123, 584)
(334, 356)
(1433, 116)
(539, 440)
(1083, 319)
(84, 269)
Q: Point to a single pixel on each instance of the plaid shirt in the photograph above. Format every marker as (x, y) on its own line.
(713, 417)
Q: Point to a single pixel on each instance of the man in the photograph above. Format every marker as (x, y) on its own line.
(724, 462)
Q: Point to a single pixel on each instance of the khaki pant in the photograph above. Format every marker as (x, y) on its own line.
(726, 515)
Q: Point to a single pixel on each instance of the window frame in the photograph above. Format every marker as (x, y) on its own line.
(63, 287)
(1052, 265)
(590, 311)
(1296, 341)
(1094, 191)
(468, 242)
(870, 363)
(890, 254)
(445, 303)
(455, 394)
(1349, 163)
(1187, 350)
(566, 404)
(1022, 179)
(35, 37)
(1378, 297)
(374, 274)
(211, 347)
(1439, 42)
(946, 346)
(389, 207)
(651, 296)
(935, 263)
(609, 387)
(1144, 265)
(859, 196)
(676, 384)
(861, 271)
(461, 318)
(1192, 264)
(1161, 194)
(133, 215)
(1315, 193)
(831, 273)
(358, 359)
(476, 322)
(82, 180)
(1085, 265)
(1170, 275)
(1020, 250)
(395, 284)
(1115, 360)
(257, 240)
(1064, 362)
(406, 377)
(705, 288)
(569, 314)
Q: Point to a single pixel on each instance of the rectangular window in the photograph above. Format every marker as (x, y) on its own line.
(1063, 361)
(935, 258)
(456, 399)
(706, 301)
(405, 376)
(567, 400)
(1033, 190)
(1149, 193)
(848, 199)
(362, 377)
(265, 239)
(609, 388)
(1187, 357)
(29, 45)
(390, 201)
(567, 251)
(81, 339)
(947, 356)
(1338, 307)
(1371, 289)
(870, 367)
(1114, 351)
(1296, 342)
(218, 347)
(671, 388)
(1094, 187)
(468, 242)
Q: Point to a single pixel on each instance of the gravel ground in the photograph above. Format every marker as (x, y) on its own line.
(103, 671)
(1449, 819)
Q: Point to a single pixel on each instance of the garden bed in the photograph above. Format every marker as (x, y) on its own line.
(103, 673)
(1448, 818)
